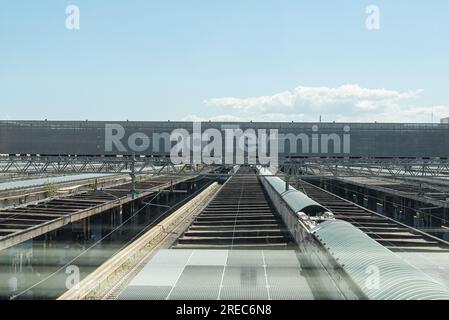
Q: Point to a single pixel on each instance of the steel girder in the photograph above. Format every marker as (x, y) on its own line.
(162, 165)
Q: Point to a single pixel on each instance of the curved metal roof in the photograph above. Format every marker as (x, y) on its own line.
(296, 200)
(299, 202)
(379, 273)
(278, 184)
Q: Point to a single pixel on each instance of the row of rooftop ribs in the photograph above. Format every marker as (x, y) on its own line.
(354, 241)
(393, 235)
(240, 216)
(245, 214)
(249, 212)
(21, 220)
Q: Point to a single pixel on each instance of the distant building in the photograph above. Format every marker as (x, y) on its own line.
(444, 120)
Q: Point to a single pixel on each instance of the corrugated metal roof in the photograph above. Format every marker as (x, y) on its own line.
(299, 202)
(295, 199)
(278, 184)
(379, 273)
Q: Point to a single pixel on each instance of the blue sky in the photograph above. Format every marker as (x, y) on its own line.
(234, 60)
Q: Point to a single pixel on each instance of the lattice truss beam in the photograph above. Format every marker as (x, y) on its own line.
(366, 167)
(162, 165)
(75, 165)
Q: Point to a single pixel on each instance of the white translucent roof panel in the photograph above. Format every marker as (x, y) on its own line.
(220, 274)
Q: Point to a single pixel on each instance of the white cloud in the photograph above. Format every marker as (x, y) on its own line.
(345, 103)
